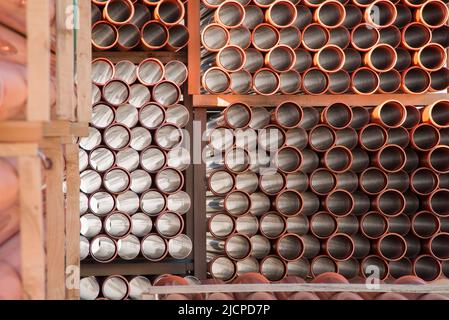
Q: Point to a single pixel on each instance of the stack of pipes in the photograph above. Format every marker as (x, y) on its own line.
(294, 191)
(139, 25)
(9, 238)
(317, 47)
(136, 288)
(132, 163)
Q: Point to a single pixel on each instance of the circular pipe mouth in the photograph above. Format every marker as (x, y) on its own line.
(360, 117)
(289, 203)
(230, 14)
(381, 58)
(125, 70)
(260, 246)
(221, 182)
(390, 202)
(168, 136)
(153, 202)
(281, 14)
(321, 138)
(237, 247)
(169, 12)
(337, 159)
(128, 37)
(298, 225)
(340, 247)
(289, 247)
(214, 37)
(166, 93)
(222, 268)
(179, 202)
(237, 115)
(381, 14)
(169, 180)
(439, 80)
(424, 181)
(436, 202)
(400, 268)
(347, 181)
(373, 225)
(413, 117)
(231, 58)
(154, 35)
(399, 224)
(119, 12)
(323, 225)
(297, 181)
(330, 14)
(117, 137)
(391, 36)
(299, 268)
(254, 60)
(101, 159)
(437, 114)
(425, 224)
(180, 247)
(330, 58)
(433, 14)
(115, 288)
(438, 159)
(91, 225)
(370, 262)
(290, 36)
(266, 82)
(288, 159)
(271, 138)
(427, 268)
(237, 203)
(117, 180)
(139, 95)
(322, 264)
(169, 224)
(431, 57)
(303, 60)
(339, 82)
(353, 59)
(364, 81)
(398, 136)
(273, 226)
(264, 37)
(140, 181)
(404, 15)
(154, 248)
(240, 37)
(141, 15)
(314, 37)
(151, 116)
(404, 59)
(337, 115)
(178, 115)
(391, 158)
(116, 92)
(280, 58)
(237, 160)
(372, 137)
(339, 203)
(101, 203)
(311, 118)
(272, 183)
(178, 37)
(364, 37)
(117, 225)
(247, 182)
(247, 225)
(103, 249)
(340, 37)
(141, 225)
(221, 226)
(350, 270)
(273, 268)
(390, 81)
(315, 81)
(415, 35)
(103, 70)
(253, 16)
(322, 181)
(290, 82)
(353, 16)
(373, 181)
(392, 247)
(390, 114)
(103, 115)
(248, 265)
(150, 72)
(241, 82)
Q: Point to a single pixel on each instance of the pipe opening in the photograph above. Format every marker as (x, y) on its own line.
(315, 37)
(439, 80)
(404, 59)
(214, 37)
(170, 12)
(338, 115)
(392, 246)
(425, 224)
(116, 92)
(265, 37)
(373, 181)
(237, 203)
(330, 58)
(119, 11)
(339, 203)
(273, 268)
(315, 81)
(353, 17)
(424, 181)
(169, 180)
(303, 60)
(230, 14)
(288, 159)
(178, 36)
(290, 82)
(439, 113)
(154, 35)
(391, 202)
(152, 203)
(221, 225)
(290, 247)
(322, 181)
(364, 37)
(231, 58)
(322, 264)
(382, 13)
(427, 268)
(222, 268)
(128, 36)
(290, 36)
(371, 262)
(253, 16)
(153, 247)
(340, 247)
(272, 183)
(331, 14)
(289, 203)
(400, 268)
(439, 159)
(321, 138)
(237, 160)
(432, 57)
(390, 81)
(340, 37)
(373, 225)
(238, 247)
(169, 224)
(382, 57)
(221, 182)
(365, 81)
(392, 158)
(266, 82)
(166, 93)
(390, 35)
(247, 225)
(282, 14)
(373, 137)
(416, 35)
(240, 37)
(323, 225)
(339, 82)
(392, 114)
(273, 226)
(338, 159)
(434, 13)
(281, 58)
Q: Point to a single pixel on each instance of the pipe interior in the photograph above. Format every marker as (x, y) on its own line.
(392, 158)
(281, 58)
(439, 79)
(221, 225)
(322, 138)
(231, 58)
(427, 268)
(340, 203)
(103, 248)
(365, 80)
(339, 82)
(282, 13)
(237, 203)
(383, 13)
(118, 10)
(154, 247)
(353, 59)
(238, 247)
(322, 181)
(416, 35)
(288, 159)
(115, 288)
(434, 13)
(392, 247)
(389, 81)
(331, 58)
(290, 247)
(331, 14)
(253, 16)
(154, 34)
(439, 159)
(323, 225)
(102, 72)
(221, 182)
(425, 224)
(166, 93)
(168, 136)
(178, 36)
(153, 159)
(116, 92)
(303, 60)
(153, 202)
(215, 37)
(338, 115)
(169, 224)
(439, 246)
(128, 36)
(272, 183)
(230, 14)
(365, 37)
(340, 247)
(390, 35)
(290, 82)
(323, 264)
(440, 114)
(272, 225)
(170, 11)
(290, 36)
(383, 58)
(424, 181)
(169, 180)
(150, 72)
(373, 180)
(289, 203)
(315, 37)
(247, 225)
(374, 225)
(338, 159)
(432, 57)
(273, 269)
(116, 180)
(223, 269)
(372, 262)
(391, 202)
(315, 81)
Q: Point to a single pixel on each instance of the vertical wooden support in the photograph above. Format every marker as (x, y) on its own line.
(32, 236)
(55, 221)
(72, 222)
(38, 52)
(199, 200)
(83, 62)
(194, 46)
(65, 100)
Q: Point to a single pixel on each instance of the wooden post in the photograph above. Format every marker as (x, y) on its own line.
(194, 46)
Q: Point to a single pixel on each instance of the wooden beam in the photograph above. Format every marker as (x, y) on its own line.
(134, 268)
(194, 46)
(83, 61)
(32, 236)
(314, 101)
(55, 221)
(65, 103)
(38, 66)
(72, 219)
(18, 150)
(138, 56)
(21, 131)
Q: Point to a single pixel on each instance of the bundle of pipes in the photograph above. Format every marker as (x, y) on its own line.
(294, 191)
(132, 163)
(10, 281)
(317, 47)
(139, 25)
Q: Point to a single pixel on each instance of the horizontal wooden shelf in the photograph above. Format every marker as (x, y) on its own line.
(140, 267)
(139, 56)
(315, 101)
